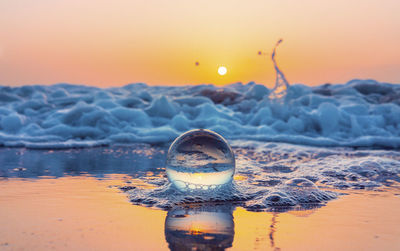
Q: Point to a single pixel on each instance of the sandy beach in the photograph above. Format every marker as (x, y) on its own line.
(88, 211)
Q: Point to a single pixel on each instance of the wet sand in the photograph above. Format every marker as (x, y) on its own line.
(87, 213)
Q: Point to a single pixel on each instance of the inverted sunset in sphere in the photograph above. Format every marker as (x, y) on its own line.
(222, 70)
(200, 160)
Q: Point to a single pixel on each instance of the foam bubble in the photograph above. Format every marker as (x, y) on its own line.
(277, 176)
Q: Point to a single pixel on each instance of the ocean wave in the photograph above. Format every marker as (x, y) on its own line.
(360, 113)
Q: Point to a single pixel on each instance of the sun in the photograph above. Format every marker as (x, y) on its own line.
(222, 70)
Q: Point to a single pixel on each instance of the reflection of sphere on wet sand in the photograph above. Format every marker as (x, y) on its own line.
(202, 228)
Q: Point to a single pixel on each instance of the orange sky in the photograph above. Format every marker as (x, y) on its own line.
(105, 43)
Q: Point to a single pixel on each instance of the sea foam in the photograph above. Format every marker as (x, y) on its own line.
(360, 113)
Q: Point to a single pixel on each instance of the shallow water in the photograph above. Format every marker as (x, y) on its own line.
(75, 199)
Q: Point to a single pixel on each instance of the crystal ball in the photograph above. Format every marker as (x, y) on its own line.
(200, 160)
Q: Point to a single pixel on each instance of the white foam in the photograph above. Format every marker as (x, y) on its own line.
(359, 113)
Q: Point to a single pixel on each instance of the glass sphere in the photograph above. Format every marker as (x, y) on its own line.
(200, 159)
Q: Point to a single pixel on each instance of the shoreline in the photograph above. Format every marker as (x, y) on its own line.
(83, 212)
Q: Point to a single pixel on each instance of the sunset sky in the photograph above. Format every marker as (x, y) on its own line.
(112, 43)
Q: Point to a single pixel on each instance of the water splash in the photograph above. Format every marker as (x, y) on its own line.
(281, 83)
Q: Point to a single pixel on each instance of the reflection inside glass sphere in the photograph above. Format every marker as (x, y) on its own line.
(200, 159)
(208, 227)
